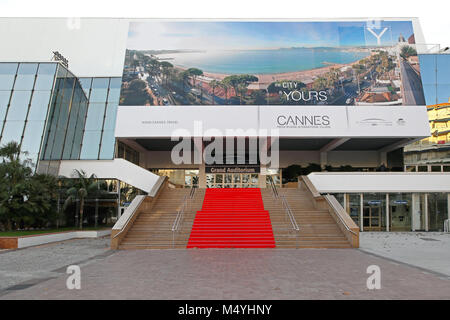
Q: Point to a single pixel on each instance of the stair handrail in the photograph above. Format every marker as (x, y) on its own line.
(273, 187)
(180, 214)
(286, 207)
(289, 213)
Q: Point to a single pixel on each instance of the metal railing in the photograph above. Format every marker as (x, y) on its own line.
(178, 222)
(333, 203)
(287, 209)
(273, 187)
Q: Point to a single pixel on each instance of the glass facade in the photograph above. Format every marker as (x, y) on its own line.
(435, 74)
(25, 94)
(406, 211)
(65, 119)
(437, 211)
(45, 104)
(103, 95)
(400, 207)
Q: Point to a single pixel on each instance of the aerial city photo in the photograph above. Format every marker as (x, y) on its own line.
(258, 63)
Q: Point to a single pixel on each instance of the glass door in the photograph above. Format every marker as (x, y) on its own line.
(232, 180)
(372, 218)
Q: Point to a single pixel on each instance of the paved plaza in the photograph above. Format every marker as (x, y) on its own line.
(225, 274)
(35, 264)
(427, 250)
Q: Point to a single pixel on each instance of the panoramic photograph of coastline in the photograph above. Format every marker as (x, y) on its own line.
(271, 63)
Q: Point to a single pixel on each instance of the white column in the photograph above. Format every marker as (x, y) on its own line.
(387, 212)
(361, 222)
(415, 212)
(346, 204)
(323, 159)
(198, 159)
(425, 205)
(448, 205)
(383, 158)
(262, 176)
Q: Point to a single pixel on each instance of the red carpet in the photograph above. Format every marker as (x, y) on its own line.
(232, 218)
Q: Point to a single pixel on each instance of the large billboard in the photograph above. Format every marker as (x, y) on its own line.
(271, 63)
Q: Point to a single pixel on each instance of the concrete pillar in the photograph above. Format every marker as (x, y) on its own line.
(346, 203)
(383, 158)
(323, 159)
(201, 176)
(387, 212)
(448, 205)
(415, 212)
(198, 159)
(426, 211)
(361, 221)
(262, 177)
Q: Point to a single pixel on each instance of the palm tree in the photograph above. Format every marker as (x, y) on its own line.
(82, 188)
(224, 86)
(214, 84)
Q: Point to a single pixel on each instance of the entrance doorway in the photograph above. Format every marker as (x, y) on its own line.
(372, 218)
(232, 180)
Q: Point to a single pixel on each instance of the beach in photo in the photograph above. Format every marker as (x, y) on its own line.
(258, 63)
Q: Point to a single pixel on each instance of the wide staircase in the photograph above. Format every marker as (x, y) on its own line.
(317, 228)
(153, 228)
(232, 218)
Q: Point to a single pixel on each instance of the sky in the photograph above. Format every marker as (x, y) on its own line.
(433, 14)
(218, 35)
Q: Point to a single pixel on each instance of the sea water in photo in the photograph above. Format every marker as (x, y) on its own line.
(264, 61)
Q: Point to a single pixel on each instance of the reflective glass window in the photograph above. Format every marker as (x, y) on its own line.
(443, 92)
(39, 105)
(94, 119)
(70, 133)
(110, 116)
(12, 131)
(98, 95)
(91, 144)
(7, 75)
(400, 211)
(32, 136)
(437, 211)
(107, 147)
(428, 68)
(430, 93)
(443, 67)
(114, 95)
(86, 85)
(45, 76)
(4, 100)
(18, 107)
(114, 90)
(354, 207)
(100, 83)
(26, 75)
(115, 83)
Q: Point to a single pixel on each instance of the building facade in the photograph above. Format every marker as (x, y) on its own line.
(129, 110)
